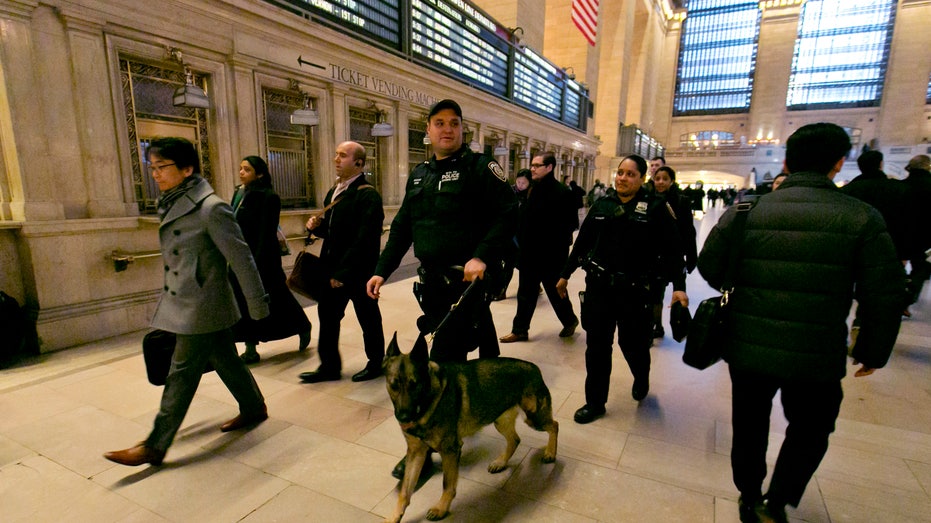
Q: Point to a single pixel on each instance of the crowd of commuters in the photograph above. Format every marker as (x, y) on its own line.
(469, 230)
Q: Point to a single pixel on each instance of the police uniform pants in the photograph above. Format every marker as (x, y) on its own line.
(606, 308)
(192, 352)
(332, 309)
(811, 409)
(467, 328)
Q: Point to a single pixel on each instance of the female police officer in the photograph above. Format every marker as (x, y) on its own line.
(628, 243)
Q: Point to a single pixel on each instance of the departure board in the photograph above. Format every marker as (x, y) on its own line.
(573, 114)
(378, 19)
(456, 37)
(538, 84)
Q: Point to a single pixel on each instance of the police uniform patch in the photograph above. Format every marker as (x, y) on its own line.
(497, 170)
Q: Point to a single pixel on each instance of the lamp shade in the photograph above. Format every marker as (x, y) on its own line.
(305, 117)
(382, 129)
(500, 151)
(190, 95)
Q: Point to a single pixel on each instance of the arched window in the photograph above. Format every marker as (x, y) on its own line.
(841, 54)
(717, 57)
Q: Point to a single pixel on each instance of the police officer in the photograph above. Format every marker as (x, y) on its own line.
(458, 211)
(628, 242)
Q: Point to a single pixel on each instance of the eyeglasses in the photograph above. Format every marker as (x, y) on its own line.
(537, 165)
(159, 168)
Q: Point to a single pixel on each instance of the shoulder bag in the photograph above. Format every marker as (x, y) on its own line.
(708, 327)
(309, 277)
(158, 347)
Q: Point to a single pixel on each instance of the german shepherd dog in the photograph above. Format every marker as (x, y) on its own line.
(438, 405)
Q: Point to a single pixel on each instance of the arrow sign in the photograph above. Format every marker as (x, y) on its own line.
(300, 61)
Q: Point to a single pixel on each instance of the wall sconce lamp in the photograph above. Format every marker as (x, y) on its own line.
(189, 94)
(381, 127)
(306, 115)
(525, 154)
(569, 75)
(475, 146)
(499, 149)
(426, 140)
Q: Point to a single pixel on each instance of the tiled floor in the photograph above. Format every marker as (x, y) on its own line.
(326, 452)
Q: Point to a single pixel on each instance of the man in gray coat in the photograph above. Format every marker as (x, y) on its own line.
(199, 241)
(807, 251)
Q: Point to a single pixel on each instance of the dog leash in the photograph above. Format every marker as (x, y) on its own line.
(453, 307)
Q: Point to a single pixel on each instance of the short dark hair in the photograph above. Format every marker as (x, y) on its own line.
(668, 170)
(523, 173)
(444, 104)
(549, 159)
(263, 177)
(662, 159)
(642, 166)
(179, 150)
(870, 161)
(816, 147)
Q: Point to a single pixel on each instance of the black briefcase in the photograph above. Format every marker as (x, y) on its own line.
(679, 319)
(158, 347)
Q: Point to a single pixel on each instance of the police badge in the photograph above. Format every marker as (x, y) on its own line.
(497, 170)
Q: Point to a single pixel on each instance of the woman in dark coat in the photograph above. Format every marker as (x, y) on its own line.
(664, 183)
(257, 208)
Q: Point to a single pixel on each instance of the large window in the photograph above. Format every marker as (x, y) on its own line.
(841, 54)
(360, 131)
(290, 158)
(148, 89)
(717, 57)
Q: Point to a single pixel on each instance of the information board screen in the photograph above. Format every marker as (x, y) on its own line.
(377, 19)
(457, 38)
(537, 84)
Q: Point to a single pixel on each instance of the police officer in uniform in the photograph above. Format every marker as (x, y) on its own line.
(628, 243)
(458, 211)
(460, 215)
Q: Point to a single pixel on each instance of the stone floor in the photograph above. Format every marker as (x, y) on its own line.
(326, 452)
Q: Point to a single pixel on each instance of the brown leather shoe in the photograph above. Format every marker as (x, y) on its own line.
(244, 421)
(511, 338)
(138, 455)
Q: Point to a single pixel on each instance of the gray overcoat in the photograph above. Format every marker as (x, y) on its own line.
(200, 240)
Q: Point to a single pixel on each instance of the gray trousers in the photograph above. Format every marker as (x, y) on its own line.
(192, 352)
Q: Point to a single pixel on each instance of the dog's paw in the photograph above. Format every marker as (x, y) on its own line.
(497, 466)
(436, 514)
(549, 458)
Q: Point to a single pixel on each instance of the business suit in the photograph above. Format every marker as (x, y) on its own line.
(199, 240)
(351, 232)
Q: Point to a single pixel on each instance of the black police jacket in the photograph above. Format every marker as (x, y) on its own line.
(638, 240)
(454, 210)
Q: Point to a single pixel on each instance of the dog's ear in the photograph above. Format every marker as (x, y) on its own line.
(393, 349)
(420, 349)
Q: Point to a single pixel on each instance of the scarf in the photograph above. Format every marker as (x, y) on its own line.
(169, 197)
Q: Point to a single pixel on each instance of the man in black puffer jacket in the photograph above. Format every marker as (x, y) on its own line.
(808, 250)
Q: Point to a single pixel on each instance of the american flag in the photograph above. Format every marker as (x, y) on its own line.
(585, 17)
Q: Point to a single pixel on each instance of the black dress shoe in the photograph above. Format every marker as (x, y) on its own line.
(749, 510)
(370, 372)
(398, 471)
(641, 388)
(588, 414)
(316, 376)
(659, 331)
(569, 330)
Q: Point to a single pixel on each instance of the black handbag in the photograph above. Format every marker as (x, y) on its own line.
(708, 329)
(158, 347)
(679, 320)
